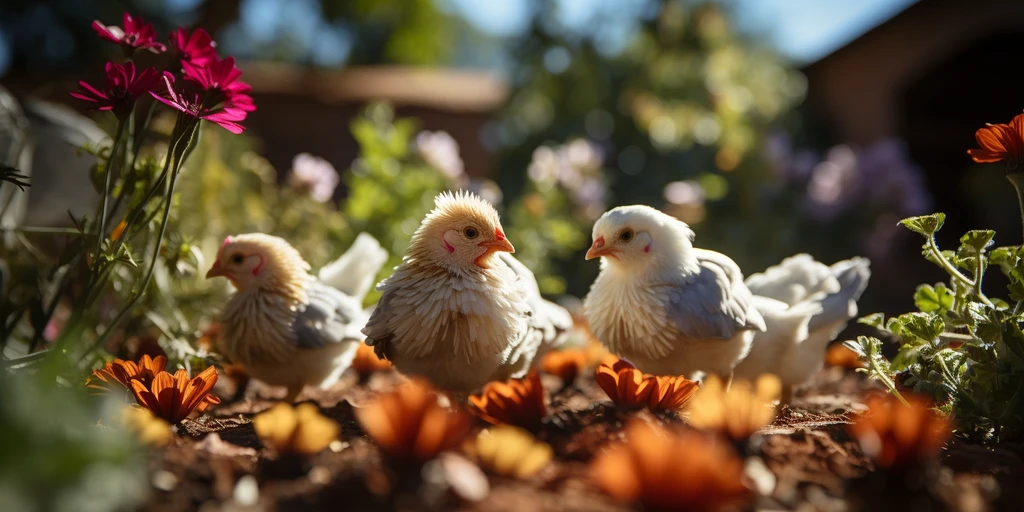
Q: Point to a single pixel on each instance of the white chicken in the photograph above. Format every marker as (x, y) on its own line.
(805, 304)
(665, 306)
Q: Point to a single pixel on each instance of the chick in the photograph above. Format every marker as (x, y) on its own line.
(459, 309)
(805, 305)
(665, 306)
(285, 326)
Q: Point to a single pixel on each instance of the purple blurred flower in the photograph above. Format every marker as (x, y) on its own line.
(487, 190)
(881, 176)
(441, 151)
(314, 175)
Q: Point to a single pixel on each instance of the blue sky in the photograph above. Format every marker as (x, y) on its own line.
(803, 30)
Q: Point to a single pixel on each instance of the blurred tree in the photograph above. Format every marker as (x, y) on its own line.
(687, 99)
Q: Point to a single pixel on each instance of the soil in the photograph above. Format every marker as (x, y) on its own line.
(808, 461)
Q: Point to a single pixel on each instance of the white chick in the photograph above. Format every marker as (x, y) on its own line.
(285, 326)
(805, 305)
(459, 309)
(665, 306)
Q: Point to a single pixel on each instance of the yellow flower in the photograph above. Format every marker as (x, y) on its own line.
(738, 413)
(300, 430)
(147, 427)
(509, 451)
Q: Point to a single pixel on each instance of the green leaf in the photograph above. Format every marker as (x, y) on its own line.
(1014, 339)
(876, 320)
(925, 225)
(979, 239)
(937, 299)
(924, 326)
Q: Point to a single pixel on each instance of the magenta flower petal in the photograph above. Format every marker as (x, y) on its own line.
(122, 88)
(196, 48)
(136, 34)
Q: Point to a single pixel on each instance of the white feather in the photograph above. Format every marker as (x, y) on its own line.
(355, 271)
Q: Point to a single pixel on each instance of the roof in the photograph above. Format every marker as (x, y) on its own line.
(449, 89)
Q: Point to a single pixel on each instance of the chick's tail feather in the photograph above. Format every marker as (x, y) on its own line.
(356, 270)
(840, 307)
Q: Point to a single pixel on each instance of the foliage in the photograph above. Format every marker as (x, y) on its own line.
(61, 451)
(962, 348)
(686, 101)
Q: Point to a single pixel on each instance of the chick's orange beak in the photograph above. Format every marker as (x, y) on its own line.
(598, 249)
(216, 270)
(500, 243)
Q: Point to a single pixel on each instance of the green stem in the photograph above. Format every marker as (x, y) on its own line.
(102, 229)
(975, 284)
(1017, 180)
(133, 216)
(156, 250)
(136, 149)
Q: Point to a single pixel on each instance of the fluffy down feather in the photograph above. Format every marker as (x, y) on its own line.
(459, 310)
(285, 326)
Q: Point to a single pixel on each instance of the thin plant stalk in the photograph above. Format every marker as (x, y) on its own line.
(193, 136)
(107, 171)
(1017, 180)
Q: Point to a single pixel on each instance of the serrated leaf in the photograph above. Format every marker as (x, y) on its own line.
(1014, 339)
(1003, 256)
(933, 299)
(923, 326)
(925, 225)
(979, 239)
(876, 320)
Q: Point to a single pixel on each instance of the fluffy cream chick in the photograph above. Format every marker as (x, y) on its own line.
(283, 325)
(667, 307)
(453, 311)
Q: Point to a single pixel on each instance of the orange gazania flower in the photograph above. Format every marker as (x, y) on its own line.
(173, 398)
(409, 424)
(565, 364)
(630, 388)
(627, 386)
(664, 470)
(840, 355)
(671, 393)
(1000, 142)
(898, 436)
(366, 362)
(121, 372)
(518, 402)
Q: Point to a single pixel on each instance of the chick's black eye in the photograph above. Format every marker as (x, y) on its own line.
(626, 235)
(236, 259)
(470, 232)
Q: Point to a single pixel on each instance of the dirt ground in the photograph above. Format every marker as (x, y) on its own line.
(805, 459)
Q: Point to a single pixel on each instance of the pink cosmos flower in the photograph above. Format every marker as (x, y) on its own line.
(136, 34)
(123, 86)
(211, 92)
(196, 48)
